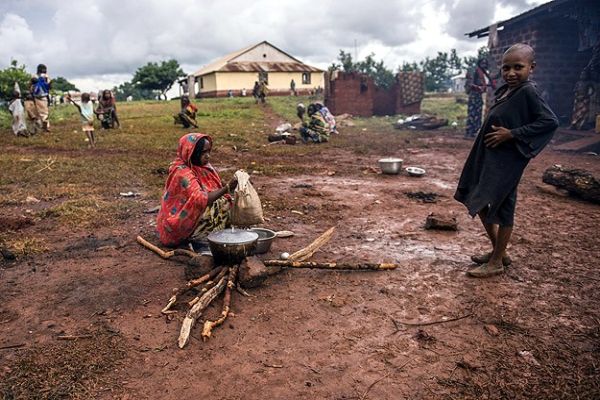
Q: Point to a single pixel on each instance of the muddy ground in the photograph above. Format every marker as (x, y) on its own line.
(310, 334)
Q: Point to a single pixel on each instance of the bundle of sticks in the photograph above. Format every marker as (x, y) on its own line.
(224, 279)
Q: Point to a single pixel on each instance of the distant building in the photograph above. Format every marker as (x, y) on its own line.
(565, 35)
(458, 83)
(263, 61)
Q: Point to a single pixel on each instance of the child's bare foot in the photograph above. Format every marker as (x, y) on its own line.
(484, 258)
(486, 270)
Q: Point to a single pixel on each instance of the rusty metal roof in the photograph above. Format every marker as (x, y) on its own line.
(267, 67)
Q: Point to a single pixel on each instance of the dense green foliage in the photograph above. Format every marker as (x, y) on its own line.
(157, 77)
(382, 76)
(9, 76)
(61, 85)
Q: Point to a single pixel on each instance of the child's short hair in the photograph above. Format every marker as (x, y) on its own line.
(85, 96)
(525, 48)
(41, 69)
(16, 94)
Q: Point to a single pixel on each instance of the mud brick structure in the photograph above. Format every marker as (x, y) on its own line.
(564, 35)
(355, 93)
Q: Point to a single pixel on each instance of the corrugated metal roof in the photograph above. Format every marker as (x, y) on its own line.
(267, 67)
(224, 64)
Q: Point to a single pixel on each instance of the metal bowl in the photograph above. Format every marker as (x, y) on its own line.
(265, 239)
(415, 171)
(390, 165)
(231, 246)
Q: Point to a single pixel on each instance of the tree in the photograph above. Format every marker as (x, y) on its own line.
(157, 77)
(60, 84)
(470, 62)
(440, 69)
(127, 89)
(382, 76)
(409, 67)
(9, 76)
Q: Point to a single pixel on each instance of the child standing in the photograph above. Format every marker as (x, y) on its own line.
(86, 110)
(519, 125)
(40, 90)
(18, 114)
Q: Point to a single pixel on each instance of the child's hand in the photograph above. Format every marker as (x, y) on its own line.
(498, 136)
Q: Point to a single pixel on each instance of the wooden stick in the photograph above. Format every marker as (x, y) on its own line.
(307, 252)
(442, 321)
(210, 325)
(165, 254)
(334, 266)
(12, 346)
(191, 284)
(148, 245)
(207, 286)
(196, 311)
(73, 337)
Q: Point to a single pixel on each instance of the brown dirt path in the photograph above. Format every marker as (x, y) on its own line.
(532, 333)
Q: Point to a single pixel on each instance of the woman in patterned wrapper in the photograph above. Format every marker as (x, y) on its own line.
(195, 201)
(475, 87)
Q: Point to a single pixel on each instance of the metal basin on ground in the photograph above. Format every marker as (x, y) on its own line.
(265, 239)
(390, 166)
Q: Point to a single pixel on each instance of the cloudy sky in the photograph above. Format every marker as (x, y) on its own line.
(100, 43)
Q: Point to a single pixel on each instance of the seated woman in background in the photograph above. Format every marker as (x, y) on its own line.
(187, 115)
(328, 117)
(195, 201)
(316, 129)
(107, 110)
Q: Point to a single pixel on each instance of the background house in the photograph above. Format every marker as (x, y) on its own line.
(263, 61)
(565, 35)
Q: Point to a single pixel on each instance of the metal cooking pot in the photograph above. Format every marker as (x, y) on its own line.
(265, 239)
(390, 165)
(231, 246)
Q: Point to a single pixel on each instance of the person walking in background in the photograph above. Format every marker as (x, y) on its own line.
(40, 90)
(256, 91)
(18, 115)
(475, 87)
(86, 111)
(293, 88)
(263, 91)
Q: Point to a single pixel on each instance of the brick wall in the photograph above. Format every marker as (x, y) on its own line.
(384, 101)
(344, 94)
(555, 41)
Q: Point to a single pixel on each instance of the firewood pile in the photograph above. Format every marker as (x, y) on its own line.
(227, 279)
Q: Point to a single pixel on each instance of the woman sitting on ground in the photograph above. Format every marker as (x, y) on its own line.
(187, 115)
(328, 117)
(316, 130)
(195, 201)
(107, 105)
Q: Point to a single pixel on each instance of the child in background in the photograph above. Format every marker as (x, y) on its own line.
(18, 114)
(519, 125)
(40, 89)
(86, 110)
(32, 116)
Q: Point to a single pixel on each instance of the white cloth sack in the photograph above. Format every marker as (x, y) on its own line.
(247, 209)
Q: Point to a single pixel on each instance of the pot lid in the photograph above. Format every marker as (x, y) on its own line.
(232, 236)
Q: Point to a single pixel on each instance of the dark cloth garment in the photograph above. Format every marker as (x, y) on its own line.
(491, 175)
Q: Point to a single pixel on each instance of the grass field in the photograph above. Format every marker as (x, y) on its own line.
(82, 185)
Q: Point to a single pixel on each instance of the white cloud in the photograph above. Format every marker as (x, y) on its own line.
(105, 40)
